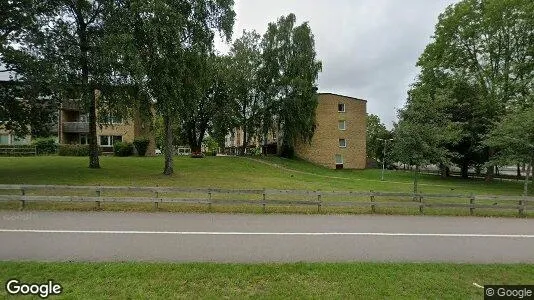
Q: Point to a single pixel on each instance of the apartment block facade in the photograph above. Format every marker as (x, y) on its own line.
(74, 128)
(339, 140)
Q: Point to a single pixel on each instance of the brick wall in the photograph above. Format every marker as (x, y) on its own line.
(325, 142)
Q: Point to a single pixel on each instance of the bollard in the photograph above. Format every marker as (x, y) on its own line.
(421, 204)
(97, 203)
(22, 201)
(472, 203)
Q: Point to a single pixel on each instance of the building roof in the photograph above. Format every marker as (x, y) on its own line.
(353, 98)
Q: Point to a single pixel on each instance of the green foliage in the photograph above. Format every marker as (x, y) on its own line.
(376, 133)
(481, 53)
(288, 77)
(141, 145)
(166, 49)
(513, 138)
(45, 145)
(122, 149)
(73, 150)
(211, 144)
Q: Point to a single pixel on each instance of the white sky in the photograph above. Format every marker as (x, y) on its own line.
(369, 48)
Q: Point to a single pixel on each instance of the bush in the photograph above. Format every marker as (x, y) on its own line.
(141, 145)
(45, 145)
(122, 149)
(73, 150)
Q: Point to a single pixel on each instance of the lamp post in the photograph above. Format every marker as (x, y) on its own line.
(384, 156)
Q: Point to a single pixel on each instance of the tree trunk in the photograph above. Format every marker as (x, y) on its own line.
(415, 179)
(525, 187)
(94, 161)
(279, 141)
(442, 171)
(518, 171)
(88, 94)
(465, 170)
(245, 141)
(489, 173)
(168, 169)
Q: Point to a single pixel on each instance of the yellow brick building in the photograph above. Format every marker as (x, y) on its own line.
(339, 140)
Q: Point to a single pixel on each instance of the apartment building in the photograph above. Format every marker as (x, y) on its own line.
(339, 140)
(74, 128)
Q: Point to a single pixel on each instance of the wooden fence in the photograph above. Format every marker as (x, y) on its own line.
(17, 150)
(260, 197)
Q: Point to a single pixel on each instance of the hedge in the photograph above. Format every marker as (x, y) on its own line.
(73, 150)
(141, 145)
(122, 149)
(45, 145)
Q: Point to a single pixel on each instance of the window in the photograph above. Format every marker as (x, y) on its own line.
(342, 125)
(20, 141)
(342, 143)
(104, 140)
(83, 139)
(341, 107)
(110, 118)
(109, 140)
(4, 139)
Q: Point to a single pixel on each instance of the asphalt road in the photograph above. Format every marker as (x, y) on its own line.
(107, 236)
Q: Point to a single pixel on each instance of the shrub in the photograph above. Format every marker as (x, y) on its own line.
(141, 145)
(73, 150)
(122, 149)
(45, 145)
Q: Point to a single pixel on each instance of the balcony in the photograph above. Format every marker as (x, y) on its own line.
(75, 127)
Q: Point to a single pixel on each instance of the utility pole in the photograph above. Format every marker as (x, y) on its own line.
(384, 156)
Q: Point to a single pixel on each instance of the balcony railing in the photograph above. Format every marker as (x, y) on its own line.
(76, 127)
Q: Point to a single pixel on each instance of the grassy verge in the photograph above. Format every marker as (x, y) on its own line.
(250, 209)
(299, 280)
(239, 173)
(231, 172)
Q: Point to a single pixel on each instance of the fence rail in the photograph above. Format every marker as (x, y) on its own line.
(263, 197)
(17, 150)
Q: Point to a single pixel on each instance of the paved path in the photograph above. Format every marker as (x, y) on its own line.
(107, 236)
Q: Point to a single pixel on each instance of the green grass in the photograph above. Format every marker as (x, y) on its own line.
(230, 172)
(240, 173)
(290, 281)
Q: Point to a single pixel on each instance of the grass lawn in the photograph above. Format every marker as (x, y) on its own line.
(298, 280)
(230, 172)
(241, 173)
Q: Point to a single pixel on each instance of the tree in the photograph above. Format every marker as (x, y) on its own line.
(288, 77)
(27, 103)
(375, 131)
(166, 41)
(68, 50)
(487, 44)
(424, 131)
(202, 103)
(246, 94)
(513, 139)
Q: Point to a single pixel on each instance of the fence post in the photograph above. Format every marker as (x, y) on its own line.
(263, 200)
(22, 202)
(521, 208)
(209, 200)
(472, 203)
(156, 203)
(421, 204)
(319, 202)
(372, 202)
(97, 202)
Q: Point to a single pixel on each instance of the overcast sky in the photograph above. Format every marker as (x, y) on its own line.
(368, 47)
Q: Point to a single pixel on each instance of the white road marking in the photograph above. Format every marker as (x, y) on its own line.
(401, 234)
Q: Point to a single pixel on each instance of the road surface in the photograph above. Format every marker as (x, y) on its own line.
(111, 236)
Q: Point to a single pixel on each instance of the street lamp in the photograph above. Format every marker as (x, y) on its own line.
(384, 156)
